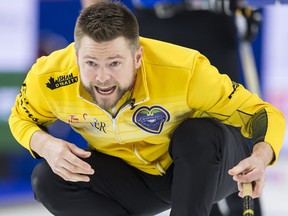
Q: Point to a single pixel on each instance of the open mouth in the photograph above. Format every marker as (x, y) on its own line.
(105, 90)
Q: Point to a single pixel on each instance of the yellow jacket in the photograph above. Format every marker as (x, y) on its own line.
(174, 83)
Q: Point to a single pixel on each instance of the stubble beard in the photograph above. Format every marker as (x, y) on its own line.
(107, 103)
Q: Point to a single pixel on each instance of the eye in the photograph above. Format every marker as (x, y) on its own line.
(115, 64)
(91, 63)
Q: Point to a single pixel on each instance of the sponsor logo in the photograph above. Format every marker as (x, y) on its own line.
(24, 103)
(100, 126)
(73, 119)
(61, 81)
(151, 119)
(91, 124)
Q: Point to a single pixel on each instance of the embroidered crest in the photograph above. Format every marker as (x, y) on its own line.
(151, 119)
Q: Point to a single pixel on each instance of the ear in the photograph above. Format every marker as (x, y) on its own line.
(138, 57)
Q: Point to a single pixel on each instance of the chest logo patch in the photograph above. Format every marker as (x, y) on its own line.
(151, 119)
(61, 81)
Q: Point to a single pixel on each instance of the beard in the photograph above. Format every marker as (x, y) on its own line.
(107, 102)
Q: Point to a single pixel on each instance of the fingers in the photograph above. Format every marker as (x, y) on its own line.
(77, 165)
(71, 168)
(242, 167)
(257, 188)
(65, 160)
(244, 172)
(78, 151)
(77, 169)
(69, 176)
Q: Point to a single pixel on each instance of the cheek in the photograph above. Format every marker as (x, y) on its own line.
(86, 78)
(128, 78)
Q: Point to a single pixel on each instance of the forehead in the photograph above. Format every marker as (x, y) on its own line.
(116, 46)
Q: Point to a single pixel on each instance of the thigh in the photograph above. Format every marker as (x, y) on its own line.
(64, 198)
(203, 150)
(138, 192)
(114, 189)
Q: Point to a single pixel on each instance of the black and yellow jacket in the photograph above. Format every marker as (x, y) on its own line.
(173, 84)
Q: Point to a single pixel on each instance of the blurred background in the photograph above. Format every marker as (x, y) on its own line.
(32, 28)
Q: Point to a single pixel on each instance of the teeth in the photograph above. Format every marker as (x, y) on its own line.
(105, 91)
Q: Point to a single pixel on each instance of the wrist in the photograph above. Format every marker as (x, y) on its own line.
(265, 151)
(37, 142)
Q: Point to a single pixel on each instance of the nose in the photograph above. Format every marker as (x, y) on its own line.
(102, 75)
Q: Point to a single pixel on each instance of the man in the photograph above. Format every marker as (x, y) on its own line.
(176, 21)
(162, 124)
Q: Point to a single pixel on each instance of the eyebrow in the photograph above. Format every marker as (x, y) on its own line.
(112, 57)
(91, 57)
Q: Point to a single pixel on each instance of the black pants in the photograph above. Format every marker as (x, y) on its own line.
(202, 150)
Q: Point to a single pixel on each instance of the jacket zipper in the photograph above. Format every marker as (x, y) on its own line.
(137, 154)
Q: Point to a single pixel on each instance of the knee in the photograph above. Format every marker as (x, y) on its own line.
(43, 182)
(194, 136)
(38, 177)
(198, 129)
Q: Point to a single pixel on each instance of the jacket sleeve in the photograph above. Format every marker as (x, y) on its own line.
(30, 112)
(212, 94)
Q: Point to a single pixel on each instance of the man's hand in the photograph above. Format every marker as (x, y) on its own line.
(63, 157)
(252, 169)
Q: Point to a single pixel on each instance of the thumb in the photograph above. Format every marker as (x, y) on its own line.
(238, 169)
(234, 171)
(78, 151)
